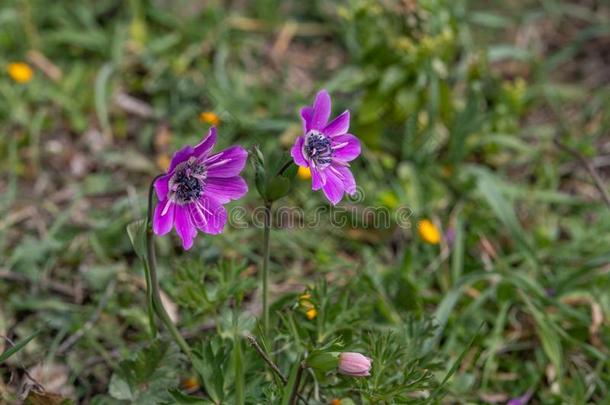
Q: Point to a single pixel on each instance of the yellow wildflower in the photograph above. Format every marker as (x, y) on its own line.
(305, 296)
(209, 117)
(429, 232)
(20, 72)
(311, 314)
(190, 384)
(304, 173)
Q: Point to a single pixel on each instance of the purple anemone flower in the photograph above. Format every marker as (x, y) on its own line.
(197, 184)
(326, 148)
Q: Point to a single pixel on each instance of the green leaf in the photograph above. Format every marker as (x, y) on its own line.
(323, 360)
(101, 96)
(260, 174)
(278, 187)
(180, 398)
(290, 384)
(146, 376)
(137, 235)
(458, 361)
(211, 361)
(488, 186)
(457, 254)
(291, 172)
(20, 345)
(119, 388)
(551, 342)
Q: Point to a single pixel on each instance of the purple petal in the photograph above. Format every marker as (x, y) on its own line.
(297, 152)
(184, 226)
(227, 163)
(522, 400)
(346, 147)
(162, 186)
(338, 126)
(162, 222)
(333, 189)
(346, 177)
(225, 189)
(318, 178)
(208, 215)
(306, 114)
(180, 156)
(321, 110)
(207, 144)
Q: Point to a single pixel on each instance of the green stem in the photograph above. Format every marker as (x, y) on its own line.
(154, 281)
(265, 272)
(295, 387)
(238, 365)
(284, 167)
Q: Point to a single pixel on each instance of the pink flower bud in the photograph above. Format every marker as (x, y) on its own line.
(354, 364)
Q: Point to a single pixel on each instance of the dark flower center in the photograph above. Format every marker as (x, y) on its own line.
(188, 181)
(317, 149)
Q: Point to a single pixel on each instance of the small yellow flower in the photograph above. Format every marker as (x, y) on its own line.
(20, 72)
(209, 117)
(304, 173)
(311, 314)
(305, 296)
(335, 401)
(429, 232)
(190, 384)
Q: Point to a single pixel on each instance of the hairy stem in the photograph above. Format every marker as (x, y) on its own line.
(153, 281)
(265, 271)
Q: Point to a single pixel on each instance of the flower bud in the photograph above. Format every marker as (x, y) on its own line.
(354, 364)
(322, 361)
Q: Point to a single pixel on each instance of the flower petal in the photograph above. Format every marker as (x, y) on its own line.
(346, 147)
(347, 178)
(163, 221)
(318, 178)
(162, 186)
(184, 226)
(321, 110)
(333, 189)
(206, 145)
(227, 163)
(338, 126)
(225, 189)
(180, 156)
(208, 215)
(306, 114)
(297, 152)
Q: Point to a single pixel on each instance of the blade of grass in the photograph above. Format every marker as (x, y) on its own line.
(20, 345)
(457, 362)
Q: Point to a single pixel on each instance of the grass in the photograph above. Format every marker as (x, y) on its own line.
(490, 120)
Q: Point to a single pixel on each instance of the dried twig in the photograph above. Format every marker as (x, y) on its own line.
(252, 340)
(266, 358)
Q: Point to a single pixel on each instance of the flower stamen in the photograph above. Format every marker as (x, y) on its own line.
(317, 149)
(188, 181)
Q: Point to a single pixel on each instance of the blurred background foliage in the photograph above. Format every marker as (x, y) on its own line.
(489, 119)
